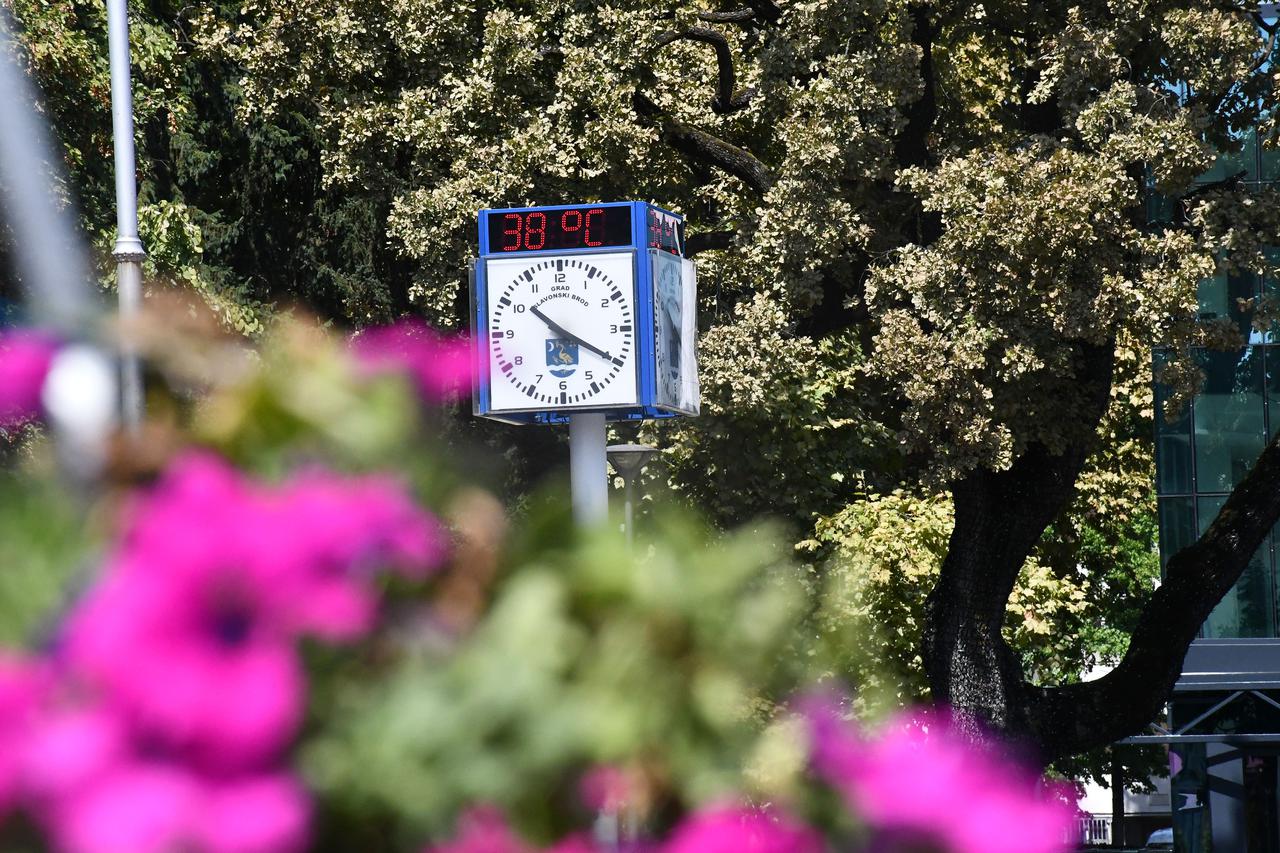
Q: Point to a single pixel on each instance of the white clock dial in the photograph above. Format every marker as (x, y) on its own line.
(562, 331)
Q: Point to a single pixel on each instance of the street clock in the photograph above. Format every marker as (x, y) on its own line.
(584, 308)
(562, 331)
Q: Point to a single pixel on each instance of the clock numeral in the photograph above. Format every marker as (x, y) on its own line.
(518, 360)
(540, 229)
(537, 377)
(559, 278)
(613, 328)
(511, 333)
(604, 303)
(519, 308)
(533, 287)
(564, 386)
(587, 375)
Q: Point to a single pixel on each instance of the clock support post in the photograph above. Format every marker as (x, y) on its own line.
(588, 474)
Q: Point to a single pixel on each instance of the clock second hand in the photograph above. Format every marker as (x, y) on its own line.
(561, 330)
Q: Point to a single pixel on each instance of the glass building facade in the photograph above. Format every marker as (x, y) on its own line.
(1201, 456)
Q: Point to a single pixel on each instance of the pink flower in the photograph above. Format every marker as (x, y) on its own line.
(70, 748)
(268, 814)
(920, 778)
(193, 658)
(153, 807)
(23, 687)
(134, 808)
(482, 830)
(739, 830)
(327, 537)
(604, 788)
(192, 631)
(437, 364)
(25, 357)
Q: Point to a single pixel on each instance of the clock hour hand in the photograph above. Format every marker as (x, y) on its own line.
(565, 333)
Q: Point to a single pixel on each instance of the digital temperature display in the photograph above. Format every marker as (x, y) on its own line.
(585, 227)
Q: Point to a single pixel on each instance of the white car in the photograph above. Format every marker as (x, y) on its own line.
(1161, 839)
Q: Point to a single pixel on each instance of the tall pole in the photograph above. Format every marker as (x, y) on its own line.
(128, 252)
(588, 471)
(51, 260)
(627, 522)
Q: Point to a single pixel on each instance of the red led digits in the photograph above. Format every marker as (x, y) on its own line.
(597, 212)
(574, 228)
(512, 232)
(568, 227)
(540, 230)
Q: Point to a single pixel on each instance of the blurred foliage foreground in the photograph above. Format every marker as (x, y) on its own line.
(285, 617)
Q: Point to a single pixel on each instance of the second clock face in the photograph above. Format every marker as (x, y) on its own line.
(561, 331)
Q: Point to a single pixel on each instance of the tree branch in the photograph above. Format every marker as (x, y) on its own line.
(1077, 717)
(726, 100)
(736, 16)
(705, 148)
(912, 145)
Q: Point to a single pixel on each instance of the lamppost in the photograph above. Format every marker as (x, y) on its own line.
(629, 460)
(128, 252)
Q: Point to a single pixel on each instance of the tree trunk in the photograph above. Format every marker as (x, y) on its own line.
(999, 518)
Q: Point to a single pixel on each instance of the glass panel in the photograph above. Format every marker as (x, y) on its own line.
(1213, 294)
(1160, 208)
(1270, 163)
(1246, 609)
(1271, 287)
(1275, 591)
(1229, 418)
(1177, 526)
(1220, 296)
(1273, 388)
(1173, 443)
(1235, 162)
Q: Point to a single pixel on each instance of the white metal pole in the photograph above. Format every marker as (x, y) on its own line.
(51, 260)
(588, 474)
(628, 522)
(128, 252)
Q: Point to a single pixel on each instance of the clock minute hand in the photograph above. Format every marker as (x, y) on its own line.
(563, 332)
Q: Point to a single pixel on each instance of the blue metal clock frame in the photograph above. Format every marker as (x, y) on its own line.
(646, 379)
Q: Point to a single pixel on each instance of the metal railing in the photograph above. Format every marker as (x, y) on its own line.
(1093, 830)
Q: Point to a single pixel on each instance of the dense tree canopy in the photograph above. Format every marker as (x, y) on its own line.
(923, 238)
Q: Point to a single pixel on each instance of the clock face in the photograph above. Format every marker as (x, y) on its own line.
(561, 331)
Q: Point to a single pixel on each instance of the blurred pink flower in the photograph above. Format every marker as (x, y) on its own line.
(268, 814)
(192, 631)
(151, 807)
(604, 788)
(23, 687)
(438, 364)
(69, 748)
(194, 658)
(133, 808)
(328, 535)
(25, 357)
(482, 830)
(739, 830)
(922, 779)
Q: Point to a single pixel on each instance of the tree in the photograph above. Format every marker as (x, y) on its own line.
(953, 190)
(234, 211)
(922, 233)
